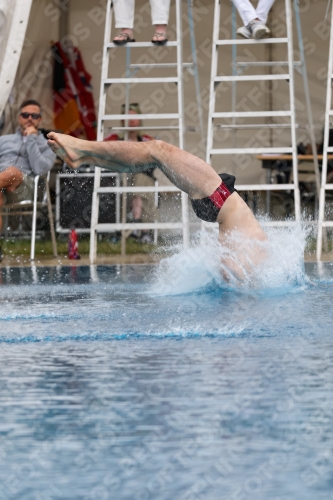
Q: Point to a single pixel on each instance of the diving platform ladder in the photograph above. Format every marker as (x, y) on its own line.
(15, 16)
(174, 121)
(327, 149)
(288, 114)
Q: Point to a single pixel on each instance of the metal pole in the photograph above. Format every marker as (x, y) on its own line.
(100, 133)
(118, 200)
(292, 108)
(234, 58)
(180, 73)
(34, 217)
(185, 214)
(124, 176)
(212, 96)
(195, 64)
(321, 213)
(50, 214)
(307, 96)
(269, 121)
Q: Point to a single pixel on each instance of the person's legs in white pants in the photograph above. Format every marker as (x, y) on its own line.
(124, 13)
(248, 13)
(124, 17)
(263, 8)
(160, 11)
(160, 17)
(246, 10)
(254, 19)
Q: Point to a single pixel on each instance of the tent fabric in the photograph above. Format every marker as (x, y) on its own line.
(14, 15)
(74, 110)
(5, 17)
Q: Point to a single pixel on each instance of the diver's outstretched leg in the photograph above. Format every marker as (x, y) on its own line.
(188, 172)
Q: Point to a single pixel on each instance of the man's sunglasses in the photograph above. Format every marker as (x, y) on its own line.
(34, 116)
(133, 106)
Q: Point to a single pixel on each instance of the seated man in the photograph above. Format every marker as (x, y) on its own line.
(213, 199)
(22, 156)
(254, 19)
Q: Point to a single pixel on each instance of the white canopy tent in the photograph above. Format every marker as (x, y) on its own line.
(85, 23)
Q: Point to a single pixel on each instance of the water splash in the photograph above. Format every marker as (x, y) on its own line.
(205, 266)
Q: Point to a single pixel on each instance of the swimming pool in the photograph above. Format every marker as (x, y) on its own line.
(113, 389)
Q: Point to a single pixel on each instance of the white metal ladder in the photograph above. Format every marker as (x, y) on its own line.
(322, 223)
(168, 117)
(234, 115)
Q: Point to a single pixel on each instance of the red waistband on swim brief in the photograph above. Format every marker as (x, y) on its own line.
(220, 195)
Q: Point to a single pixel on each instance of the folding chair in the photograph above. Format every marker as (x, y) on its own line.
(20, 209)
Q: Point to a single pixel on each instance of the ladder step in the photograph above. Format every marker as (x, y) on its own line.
(235, 151)
(258, 125)
(267, 223)
(137, 189)
(139, 44)
(251, 41)
(265, 187)
(109, 81)
(106, 228)
(237, 78)
(166, 127)
(189, 128)
(328, 187)
(266, 63)
(143, 116)
(106, 173)
(160, 65)
(250, 114)
(329, 149)
(327, 223)
(278, 223)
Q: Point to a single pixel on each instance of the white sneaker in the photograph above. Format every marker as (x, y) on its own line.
(245, 31)
(259, 30)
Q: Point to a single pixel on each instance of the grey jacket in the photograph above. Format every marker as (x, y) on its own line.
(32, 157)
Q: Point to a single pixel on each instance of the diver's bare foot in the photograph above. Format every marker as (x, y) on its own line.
(67, 148)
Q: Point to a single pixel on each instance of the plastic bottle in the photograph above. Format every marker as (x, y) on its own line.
(73, 245)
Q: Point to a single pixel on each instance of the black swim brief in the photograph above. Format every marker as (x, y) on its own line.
(208, 208)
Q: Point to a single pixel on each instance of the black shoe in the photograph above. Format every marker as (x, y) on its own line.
(136, 234)
(124, 38)
(162, 38)
(146, 238)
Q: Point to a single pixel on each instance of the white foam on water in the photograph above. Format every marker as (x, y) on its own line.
(203, 267)
(189, 270)
(284, 266)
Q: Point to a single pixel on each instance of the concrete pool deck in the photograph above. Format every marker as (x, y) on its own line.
(111, 260)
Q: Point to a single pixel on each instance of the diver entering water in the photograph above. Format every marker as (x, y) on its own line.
(211, 199)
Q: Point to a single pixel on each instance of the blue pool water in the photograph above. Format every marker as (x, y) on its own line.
(112, 387)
